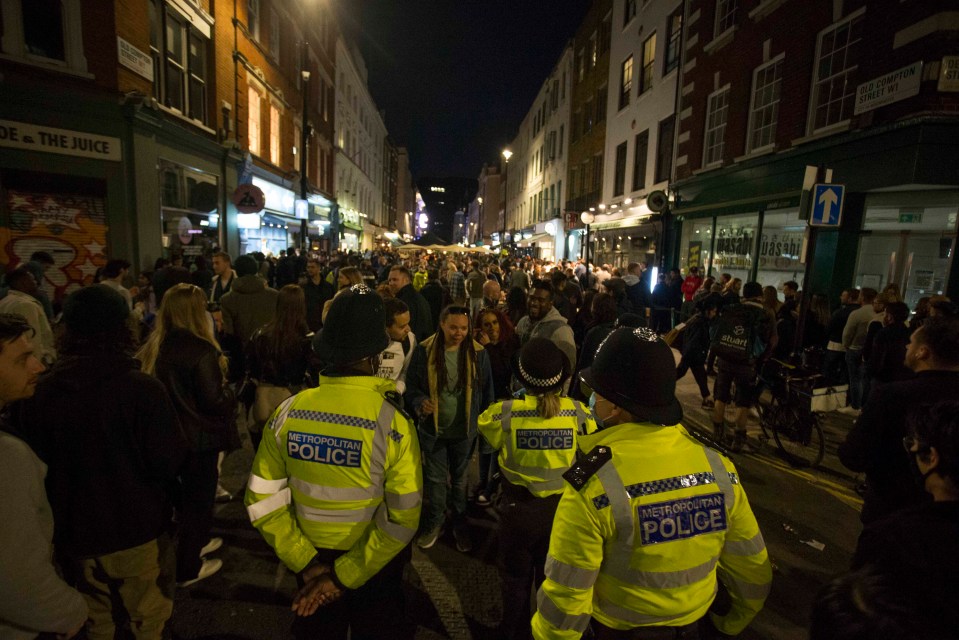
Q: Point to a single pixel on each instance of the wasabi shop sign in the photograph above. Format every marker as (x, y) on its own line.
(892, 87)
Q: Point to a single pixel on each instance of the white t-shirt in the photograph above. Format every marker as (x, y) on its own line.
(394, 361)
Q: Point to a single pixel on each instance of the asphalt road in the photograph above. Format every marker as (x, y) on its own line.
(809, 519)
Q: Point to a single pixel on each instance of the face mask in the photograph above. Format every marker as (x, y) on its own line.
(592, 410)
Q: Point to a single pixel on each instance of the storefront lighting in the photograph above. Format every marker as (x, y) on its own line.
(602, 207)
(592, 208)
(204, 223)
(628, 201)
(550, 228)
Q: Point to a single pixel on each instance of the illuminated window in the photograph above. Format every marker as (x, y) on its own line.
(649, 59)
(253, 121)
(625, 82)
(274, 135)
(837, 61)
(717, 112)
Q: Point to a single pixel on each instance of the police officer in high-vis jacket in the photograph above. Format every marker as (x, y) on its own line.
(337, 484)
(653, 523)
(536, 437)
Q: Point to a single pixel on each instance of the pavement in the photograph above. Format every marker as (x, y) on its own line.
(809, 518)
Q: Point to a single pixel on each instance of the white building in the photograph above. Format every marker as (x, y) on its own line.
(640, 124)
(537, 170)
(360, 141)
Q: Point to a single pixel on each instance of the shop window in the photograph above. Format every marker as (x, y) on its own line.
(780, 248)
(764, 107)
(625, 82)
(189, 211)
(253, 121)
(619, 178)
(735, 245)
(696, 243)
(649, 60)
(674, 36)
(640, 152)
(717, 111)
(834, 85)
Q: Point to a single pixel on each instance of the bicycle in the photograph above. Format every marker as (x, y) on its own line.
(789, 417)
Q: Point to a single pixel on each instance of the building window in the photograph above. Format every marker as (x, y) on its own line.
(649, 59)
(274, 135)
(674, 36)
(180, 72)
(593, 53)
(640, 151)
(573, 173)
(619, 178)
(837, 60)
(562, 133)
(725, 15)
(581, 64)
(605, 32)
(253, 121)
(625, 82)
(664, 149)
(717, 112)
(43, 29)
(588, 116)
(602, 97)
(253, 18)
(274, 34)
(597, 172)
(48, 32)
(584, 178)
(629, 11)
(764, 107)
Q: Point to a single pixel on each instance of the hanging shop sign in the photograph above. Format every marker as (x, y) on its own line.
(894, 86)
(31, 137)
(249, 198)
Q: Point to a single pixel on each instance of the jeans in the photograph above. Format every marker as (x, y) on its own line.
(445, 479)
(854, 366)
(198, 479)
(699, 374)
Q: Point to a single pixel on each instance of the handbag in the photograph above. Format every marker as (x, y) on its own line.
(828, 399)
(673, 334)
(268, 398)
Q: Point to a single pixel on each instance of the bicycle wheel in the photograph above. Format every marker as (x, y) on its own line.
(799, 436)
(767, 418)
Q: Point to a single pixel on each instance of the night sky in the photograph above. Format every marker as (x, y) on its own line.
(456, 77)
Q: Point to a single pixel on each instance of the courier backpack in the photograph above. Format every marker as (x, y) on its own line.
(736, 337)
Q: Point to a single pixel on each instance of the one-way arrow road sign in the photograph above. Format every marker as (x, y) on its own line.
(827, 204)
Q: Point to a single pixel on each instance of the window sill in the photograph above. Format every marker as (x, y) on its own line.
(825, 132)
(756, 153)
(720, 41)
(179, 116)
(708, 167)
(39, 63)
(764, 9)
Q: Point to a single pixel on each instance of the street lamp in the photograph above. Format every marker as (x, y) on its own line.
(304, 138)
(507, 154)
(587, 218)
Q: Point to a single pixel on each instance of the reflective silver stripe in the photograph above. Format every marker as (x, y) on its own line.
(750, 547)
(404, 500)
(538, 472)
(260, 508)
(335, 494)
(748, 590)
(256, 484)
(557, 617)
(279, 417)
(622, 514)
(335, 515)
(580, 418)
(392, 529)
(547, 485)
(506, 422)
(384, 425)
(628, 615)
(723, 480)
(660, 579)
(569, 575)
(505, 416)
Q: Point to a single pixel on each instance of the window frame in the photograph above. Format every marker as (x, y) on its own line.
(629, 11)
(640, 160)
(648, 66)
(776, 62)
(193, 82)
(722, 92)
(254, 139)
(625, 84)
(674, 40)
(619, 168)
(816, 81)
(725, 18)
(275, 33)
(275, 134)
(664, 149)
(253, 11)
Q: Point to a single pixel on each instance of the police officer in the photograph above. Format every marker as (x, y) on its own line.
(652, 519)
(536, 438)
(336, 486)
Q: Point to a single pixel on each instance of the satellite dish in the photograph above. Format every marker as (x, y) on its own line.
(657, 201)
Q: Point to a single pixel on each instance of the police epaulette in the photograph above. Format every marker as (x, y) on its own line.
(395, 399)
(584, 468)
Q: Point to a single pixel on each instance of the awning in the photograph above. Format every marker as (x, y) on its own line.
(538, 238)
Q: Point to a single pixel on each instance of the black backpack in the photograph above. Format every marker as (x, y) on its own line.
(736, 337)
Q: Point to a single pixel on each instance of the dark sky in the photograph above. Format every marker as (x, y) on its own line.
(456, 77)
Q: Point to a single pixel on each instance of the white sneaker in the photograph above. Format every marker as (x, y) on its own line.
(207, 569)
(849, 411)
(211, 546)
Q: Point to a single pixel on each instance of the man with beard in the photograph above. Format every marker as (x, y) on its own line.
(544, 321)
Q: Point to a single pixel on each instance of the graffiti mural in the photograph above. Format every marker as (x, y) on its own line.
(71, 228)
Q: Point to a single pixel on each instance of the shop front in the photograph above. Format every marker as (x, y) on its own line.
(189, 212)
(618, 241)
(351, 230)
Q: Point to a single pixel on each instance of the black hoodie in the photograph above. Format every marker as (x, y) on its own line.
(113, 445)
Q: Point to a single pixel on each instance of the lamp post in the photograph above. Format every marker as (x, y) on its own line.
(304, 140)
(587, 218)
(507, 154)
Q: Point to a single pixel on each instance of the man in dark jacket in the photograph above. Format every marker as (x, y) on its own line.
(249, 304)
(875, 443)
(834, 362)
(434, 294)
(317, 291)
(113, 444)
(421, 318)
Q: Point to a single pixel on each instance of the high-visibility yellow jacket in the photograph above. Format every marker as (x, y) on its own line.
(533, 452)
(338, 468)
(643, 539)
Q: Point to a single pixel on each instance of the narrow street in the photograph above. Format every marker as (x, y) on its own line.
(455, 595)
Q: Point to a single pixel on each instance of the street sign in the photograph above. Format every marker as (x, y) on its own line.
(827, 200)
(249, 199)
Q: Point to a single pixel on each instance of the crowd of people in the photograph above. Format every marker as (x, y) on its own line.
(367, 382)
